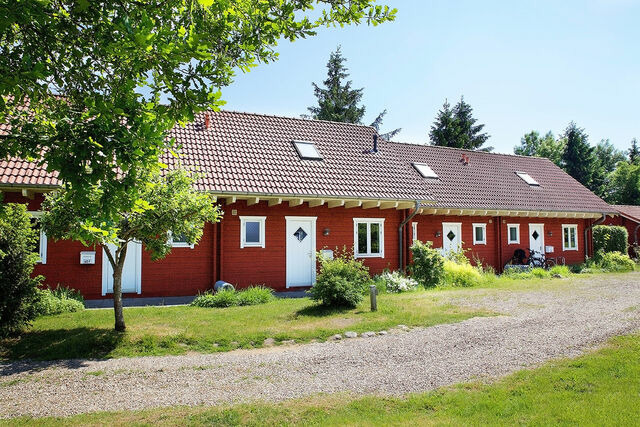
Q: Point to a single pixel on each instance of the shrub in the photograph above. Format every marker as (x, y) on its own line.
(610, 238)
(456, 274)
(18, 290)
(427, 267)
(561, 270)
(224, 298)
(459, 256)
(68, 293)
(341, 282)
(255, 295)
(614, 261)
(56, 302)
(395, 282)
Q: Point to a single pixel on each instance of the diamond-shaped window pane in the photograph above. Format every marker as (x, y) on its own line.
(451, 235)
(535, 235)
(300, 234)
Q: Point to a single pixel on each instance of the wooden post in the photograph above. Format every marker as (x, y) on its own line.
(373, 293)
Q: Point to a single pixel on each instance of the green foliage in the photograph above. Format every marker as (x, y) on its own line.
(614, 262)
(255, 295)
(50, 302)
(337, 101)
(456, 274)
(427, 265)
(102, 55)
(579, 158)
(457, 128)
(64, 292)
(634, 152)
(610, 238)
(342, 281)
(532, 144)
(18, 290)
(625, 184)
(229, 298)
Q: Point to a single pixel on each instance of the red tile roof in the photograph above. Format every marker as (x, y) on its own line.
(243, 153)
(632, 212)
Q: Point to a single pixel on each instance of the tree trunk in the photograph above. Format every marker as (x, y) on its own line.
(118, 265)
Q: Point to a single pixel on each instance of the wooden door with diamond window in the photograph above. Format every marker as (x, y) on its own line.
(451, 237)
(301, 251)
(536, 237)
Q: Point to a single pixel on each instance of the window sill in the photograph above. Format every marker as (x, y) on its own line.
(369, 256)
(480, 243)
(247, 245)
(569, 249)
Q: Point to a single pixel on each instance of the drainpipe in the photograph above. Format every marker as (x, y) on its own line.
(586, 231)
(400, 235)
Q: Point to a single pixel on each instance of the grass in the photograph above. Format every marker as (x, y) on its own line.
(178, 330)
(600, 388)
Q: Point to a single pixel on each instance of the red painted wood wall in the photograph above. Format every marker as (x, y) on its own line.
(629, 225)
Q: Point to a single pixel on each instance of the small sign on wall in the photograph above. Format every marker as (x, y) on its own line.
(87, 257)
(548, 249)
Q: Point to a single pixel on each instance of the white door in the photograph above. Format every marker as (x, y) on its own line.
(131, 272)
(451, 236)
(536, 237)
(301, 251)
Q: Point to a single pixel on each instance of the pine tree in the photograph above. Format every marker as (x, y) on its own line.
(456, 127)
(579, 158)
(337, 101)
(634, 152)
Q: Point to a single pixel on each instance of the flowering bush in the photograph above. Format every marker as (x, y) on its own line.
(396, 282)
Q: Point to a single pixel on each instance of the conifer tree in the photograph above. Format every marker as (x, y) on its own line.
(337, 101)
(579, 158)
(634, 152)
(456, 127)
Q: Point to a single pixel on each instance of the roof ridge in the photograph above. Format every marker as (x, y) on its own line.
(468, 150)
(307, 119)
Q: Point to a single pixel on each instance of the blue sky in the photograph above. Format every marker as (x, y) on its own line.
(522, 65)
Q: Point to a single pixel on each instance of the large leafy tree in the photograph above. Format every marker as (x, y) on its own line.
(456, 127)
(532, 144)
(579, 157)
(167, 205)
(607, 158)
(625, 184)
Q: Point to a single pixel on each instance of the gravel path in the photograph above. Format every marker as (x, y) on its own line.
(537, 326)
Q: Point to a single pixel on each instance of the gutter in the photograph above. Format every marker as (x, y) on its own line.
(586, 231)
(400, 233)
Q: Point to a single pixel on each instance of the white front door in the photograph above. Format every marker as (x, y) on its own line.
(536, 237)
(301, 251)
(451, 237)
(131, 272)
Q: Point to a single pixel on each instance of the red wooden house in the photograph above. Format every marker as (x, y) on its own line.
(628, 217)
(290, 187)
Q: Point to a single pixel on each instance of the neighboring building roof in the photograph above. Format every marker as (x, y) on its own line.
(244, 153)
(629, 211)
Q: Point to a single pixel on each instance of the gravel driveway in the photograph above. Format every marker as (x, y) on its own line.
(536, 326)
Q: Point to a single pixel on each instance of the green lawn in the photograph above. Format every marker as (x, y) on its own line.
(601, 388)
(177, 330)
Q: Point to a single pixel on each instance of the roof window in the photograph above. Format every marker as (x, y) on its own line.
(424, 170)
(307, 150)
(527, 178)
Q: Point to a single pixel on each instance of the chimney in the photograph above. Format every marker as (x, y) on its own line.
(465, 159)
(206, 120)
(375, 143)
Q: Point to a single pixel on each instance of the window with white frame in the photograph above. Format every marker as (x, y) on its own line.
(479, 234)
(252, 231)
(414, 231)
(368, 235)
(41, 243)
(569, 237)
(179, 241)
(513, 234)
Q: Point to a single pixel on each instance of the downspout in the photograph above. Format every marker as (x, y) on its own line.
(586, 234)
(400, 235)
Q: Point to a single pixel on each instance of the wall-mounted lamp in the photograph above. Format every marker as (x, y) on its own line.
(325, 232)
(550, 233)
(438, 234)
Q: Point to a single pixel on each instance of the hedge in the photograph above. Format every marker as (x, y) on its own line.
(610, 238)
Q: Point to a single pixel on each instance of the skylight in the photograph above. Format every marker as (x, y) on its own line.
(307, 150)
(527, 178)
(425, 170)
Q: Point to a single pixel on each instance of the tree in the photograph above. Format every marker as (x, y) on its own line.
(378, 122)
(532, 144)
(529, 144)
(607, 158)
(18, 290)
(167, 205)
(634, 152)
(625, 184)
(337, 101)
(457, 128)
(579, 158)
(105, 81)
